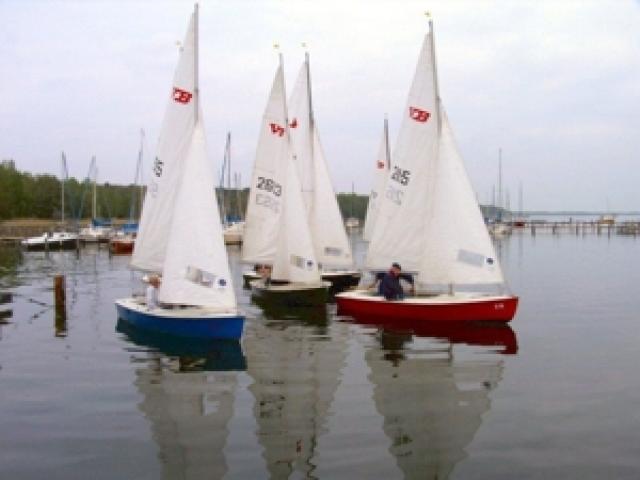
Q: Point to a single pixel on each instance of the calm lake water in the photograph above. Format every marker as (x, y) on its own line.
(313, 395)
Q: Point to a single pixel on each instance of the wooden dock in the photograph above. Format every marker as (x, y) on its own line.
(580, 228)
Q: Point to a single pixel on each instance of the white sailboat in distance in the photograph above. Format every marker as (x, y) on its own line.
(430, 222)
(180, 234)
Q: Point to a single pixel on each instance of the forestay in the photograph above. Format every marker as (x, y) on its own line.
(196, 270)
(331, 244)
(429, 220)
(175, 137)
(380, 175)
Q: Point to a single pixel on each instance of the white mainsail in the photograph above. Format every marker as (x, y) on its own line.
(330, 239)
(175, 139)
(429, 220)
(265, 198)
(381, 173)
(196, 270)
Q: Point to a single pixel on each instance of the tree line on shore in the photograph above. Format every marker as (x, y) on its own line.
(27, 195)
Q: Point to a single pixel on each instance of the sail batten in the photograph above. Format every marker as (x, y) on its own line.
(428, 219)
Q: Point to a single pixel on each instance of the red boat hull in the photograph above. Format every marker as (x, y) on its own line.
(494, 309)
(121, 247)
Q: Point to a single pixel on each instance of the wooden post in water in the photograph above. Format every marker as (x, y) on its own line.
(60, 321)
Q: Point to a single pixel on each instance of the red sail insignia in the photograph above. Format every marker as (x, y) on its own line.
(419, 115)
(294, 123)
(277, 129)
(181, 96)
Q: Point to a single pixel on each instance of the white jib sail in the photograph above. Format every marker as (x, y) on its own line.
(380, 175)
(398, 235)
(330, 239)
(175, 137)
(196, 269)
(267, 183)
(429, 219)
(457, 245)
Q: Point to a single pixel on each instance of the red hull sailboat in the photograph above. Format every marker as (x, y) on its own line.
(456, 308)
(429, 221)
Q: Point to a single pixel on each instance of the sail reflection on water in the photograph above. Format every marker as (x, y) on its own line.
(296, 365)
(188, 390)
(433, 388)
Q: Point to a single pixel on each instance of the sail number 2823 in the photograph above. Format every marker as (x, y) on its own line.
(268, 185)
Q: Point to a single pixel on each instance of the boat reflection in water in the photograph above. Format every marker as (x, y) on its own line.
(432, 385)
(296, 365)
(188, 390)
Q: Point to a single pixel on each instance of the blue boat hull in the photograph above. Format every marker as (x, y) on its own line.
(222, 326)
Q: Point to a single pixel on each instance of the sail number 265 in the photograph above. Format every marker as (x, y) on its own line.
(401, 176)
(269, 185)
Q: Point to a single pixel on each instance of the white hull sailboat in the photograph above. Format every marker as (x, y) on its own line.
(277, 229)
(61, 240)
(446, 245)
(178, 237)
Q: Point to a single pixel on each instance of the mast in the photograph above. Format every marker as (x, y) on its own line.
(387, 149)
(94, 207)
(228, 154)
(62, 179)
(311, 118)
(435, 72)
(520, 199)
(139, 173)
(500, 178)
(196, 86)
(284, 96)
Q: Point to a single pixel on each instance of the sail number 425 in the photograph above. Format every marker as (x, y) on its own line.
(268, 185)
(401, 176)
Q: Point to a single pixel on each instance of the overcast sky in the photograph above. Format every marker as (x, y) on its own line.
(555, 84)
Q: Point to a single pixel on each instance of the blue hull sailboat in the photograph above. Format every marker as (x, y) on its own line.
(183, 322)
(179, 237)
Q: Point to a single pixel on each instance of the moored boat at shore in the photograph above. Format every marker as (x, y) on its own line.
(51, 241)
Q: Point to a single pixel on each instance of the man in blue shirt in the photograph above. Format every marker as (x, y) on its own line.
(390, 287)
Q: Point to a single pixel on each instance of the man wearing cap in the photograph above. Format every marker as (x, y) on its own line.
(390, 287)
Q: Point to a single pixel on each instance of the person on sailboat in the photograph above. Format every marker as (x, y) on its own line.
(390, 287)
(378, 276)
(265, 273)
(152, 292)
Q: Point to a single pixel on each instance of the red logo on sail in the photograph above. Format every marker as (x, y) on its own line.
(277, 129)
(294, 123)
(419, 115)
(381, 164)
(181, 96)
